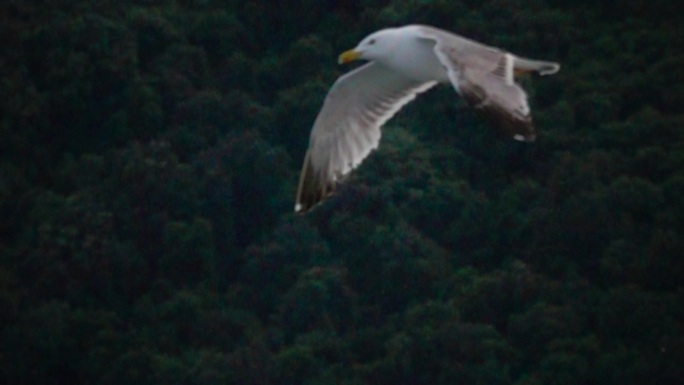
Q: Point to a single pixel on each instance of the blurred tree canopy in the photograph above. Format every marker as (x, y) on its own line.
(149, 154)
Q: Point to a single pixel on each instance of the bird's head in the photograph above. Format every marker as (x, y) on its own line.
(372, 47)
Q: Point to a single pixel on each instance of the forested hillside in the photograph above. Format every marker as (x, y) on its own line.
(149, 155)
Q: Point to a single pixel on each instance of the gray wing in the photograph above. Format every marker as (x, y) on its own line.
(484, 77)
(347, 128)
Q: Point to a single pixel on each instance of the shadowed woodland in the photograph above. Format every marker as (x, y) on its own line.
(149, 155)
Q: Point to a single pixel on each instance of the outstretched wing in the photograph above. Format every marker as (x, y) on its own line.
(348, 127)
(484, 77)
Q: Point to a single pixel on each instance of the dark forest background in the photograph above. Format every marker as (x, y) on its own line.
(149, 154)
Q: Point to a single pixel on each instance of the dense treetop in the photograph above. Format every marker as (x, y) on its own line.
(149, 153)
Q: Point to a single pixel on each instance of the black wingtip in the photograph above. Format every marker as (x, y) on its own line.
(313, 187)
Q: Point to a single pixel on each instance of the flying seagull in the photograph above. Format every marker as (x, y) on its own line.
(404, 62)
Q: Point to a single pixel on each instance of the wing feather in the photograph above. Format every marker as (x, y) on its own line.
(483, 76)
(347, 128)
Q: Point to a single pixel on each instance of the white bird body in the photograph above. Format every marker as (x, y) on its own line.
(416, 61)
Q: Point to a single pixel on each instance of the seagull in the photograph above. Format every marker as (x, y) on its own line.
(402, 63)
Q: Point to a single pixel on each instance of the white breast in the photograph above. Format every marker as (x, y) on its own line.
(416, 59)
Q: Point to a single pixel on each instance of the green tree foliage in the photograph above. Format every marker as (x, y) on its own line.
(149, 154)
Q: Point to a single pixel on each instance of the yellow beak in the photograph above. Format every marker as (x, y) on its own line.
(348, 56)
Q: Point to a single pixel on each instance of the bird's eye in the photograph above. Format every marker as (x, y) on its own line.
(371, 41)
